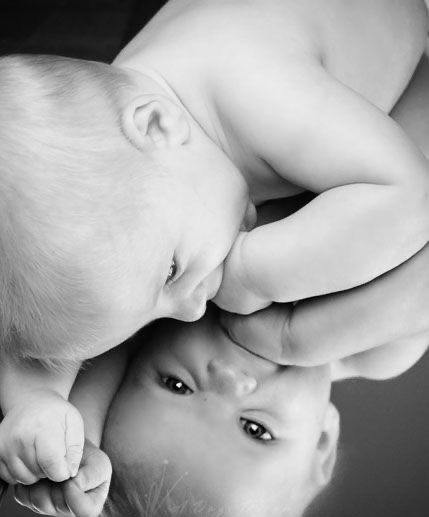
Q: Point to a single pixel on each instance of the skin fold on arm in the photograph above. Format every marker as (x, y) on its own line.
(370, 214)
(373, 321)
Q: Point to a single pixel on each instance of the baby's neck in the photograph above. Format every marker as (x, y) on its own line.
(173, 50)
(202, 115)
(187, 94)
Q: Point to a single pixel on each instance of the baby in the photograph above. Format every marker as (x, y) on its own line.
(128, 192)
(202, 427)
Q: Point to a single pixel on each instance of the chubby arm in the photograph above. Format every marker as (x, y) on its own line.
(95, 388)
(42, 434)
(85, 493)
(371, 213)
(19, 381)
(90, 390)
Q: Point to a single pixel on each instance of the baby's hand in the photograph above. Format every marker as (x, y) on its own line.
(83, 496)
(41, 437)
(235, 293)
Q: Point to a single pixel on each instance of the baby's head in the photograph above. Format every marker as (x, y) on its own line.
(115, 207)
(203, 427)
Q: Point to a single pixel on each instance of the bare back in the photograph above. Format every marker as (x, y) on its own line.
(199, 45)
(374, 58)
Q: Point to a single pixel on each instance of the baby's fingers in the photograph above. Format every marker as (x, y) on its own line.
(37, 498)
(5, 475)
(59, 452)
(20, 473)
(45, 497)
(328, 328)
(86, 504)
(75, 440)
(87, 492)
(51, 456)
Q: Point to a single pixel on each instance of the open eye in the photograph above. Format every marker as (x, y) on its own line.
(172, 272)
(176, 386)
(256, 431)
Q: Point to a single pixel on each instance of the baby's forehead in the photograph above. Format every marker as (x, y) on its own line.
(208, 495)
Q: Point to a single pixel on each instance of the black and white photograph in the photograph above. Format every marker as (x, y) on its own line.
(214, 258)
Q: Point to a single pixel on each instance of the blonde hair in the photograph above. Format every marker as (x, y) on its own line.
(138, 491)
(65, 168)
(134, 494)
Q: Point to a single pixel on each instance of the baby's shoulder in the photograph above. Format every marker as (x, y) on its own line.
(246, 30)
(274, 37)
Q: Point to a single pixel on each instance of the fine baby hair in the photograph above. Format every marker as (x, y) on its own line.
(134, 493)
(65, 170)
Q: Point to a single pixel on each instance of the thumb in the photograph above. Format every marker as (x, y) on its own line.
(264, 333)
(95, 470)
(87, 492)
(85, 504)
(75, 439)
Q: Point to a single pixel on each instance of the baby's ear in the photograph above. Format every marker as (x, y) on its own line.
(154, 121)
(326, 452)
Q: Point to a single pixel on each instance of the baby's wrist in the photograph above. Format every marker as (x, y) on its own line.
(235, 265)
(19, 381)
(28, 397)
(243, 267)
(237, 292)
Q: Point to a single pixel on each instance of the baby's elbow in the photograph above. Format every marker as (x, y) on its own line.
(413, 208)
(422, 211)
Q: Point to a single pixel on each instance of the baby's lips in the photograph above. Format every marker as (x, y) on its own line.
(221, 299)
(214, 282)
(250, 218)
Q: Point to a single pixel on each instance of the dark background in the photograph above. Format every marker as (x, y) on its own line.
(383, 469)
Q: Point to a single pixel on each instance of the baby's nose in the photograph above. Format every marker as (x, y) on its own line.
(227, 379)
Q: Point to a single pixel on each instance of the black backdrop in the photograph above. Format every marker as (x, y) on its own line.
(383, 470)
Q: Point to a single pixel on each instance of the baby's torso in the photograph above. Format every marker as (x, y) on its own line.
(372, 46)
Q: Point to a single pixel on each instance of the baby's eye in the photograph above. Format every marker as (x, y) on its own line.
(256, 431)
(172, 272)
(176, 386)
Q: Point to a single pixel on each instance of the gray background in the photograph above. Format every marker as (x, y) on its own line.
(383, 469)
